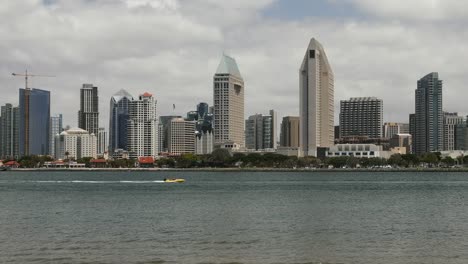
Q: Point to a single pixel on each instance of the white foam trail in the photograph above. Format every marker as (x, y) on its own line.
(91, 182)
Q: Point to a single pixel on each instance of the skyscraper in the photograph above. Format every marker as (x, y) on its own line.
(361, 116)
(34, 115)
(228, 97)
(88, 115)
(316, 105)
(118, 120)
(56, 127)
(290, 132)
(142, 138)
(429, 115)
(102, 143)
(9, 132)
(260, 131)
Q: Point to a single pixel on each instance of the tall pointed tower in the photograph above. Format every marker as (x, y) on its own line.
(228, 97)
(316, 100)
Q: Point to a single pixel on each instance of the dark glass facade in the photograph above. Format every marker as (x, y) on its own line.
(118, 121)
(34, 111)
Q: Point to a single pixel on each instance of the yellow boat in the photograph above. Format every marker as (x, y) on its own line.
(174, 180)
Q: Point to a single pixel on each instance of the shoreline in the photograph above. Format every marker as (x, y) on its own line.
(237, 170)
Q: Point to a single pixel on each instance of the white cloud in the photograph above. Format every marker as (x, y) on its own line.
(172, 48)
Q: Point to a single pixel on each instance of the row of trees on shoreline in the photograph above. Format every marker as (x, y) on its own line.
(222, 158)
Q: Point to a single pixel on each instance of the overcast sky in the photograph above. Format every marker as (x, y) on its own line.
(171, 48)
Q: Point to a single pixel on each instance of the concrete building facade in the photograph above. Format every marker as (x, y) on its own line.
(451, 121)
(102, 143)
(88, 115)
(228, 102)
(361, 116)
(316, 100)
(260, 132)
(142, 127)
(289, 135)
(181, 136)
(75, 143)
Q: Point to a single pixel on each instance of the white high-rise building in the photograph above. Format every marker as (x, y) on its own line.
(102, 141)
(181, 138)
(142, 127)
(75, 143)
(228, 97)
(316, 102)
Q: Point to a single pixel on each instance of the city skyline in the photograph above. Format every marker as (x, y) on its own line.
(262, 57)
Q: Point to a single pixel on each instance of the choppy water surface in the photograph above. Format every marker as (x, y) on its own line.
(233, 217)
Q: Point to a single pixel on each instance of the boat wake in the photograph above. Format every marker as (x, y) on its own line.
(87, 182)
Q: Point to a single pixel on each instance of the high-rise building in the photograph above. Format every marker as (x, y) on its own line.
(75, 143)
(88, 115)
(228, 97)
(260, 131)
(461, 136)
(142, 127)
(56, 127)
(412, 130)
(316, 102)
(204, 130)
(451, 120)
(9, 132)
(102, 143)
(181, 136)
(163, 132)
(34, 122)
(429, 126)
(289, 136)
(118, 120)
(391, 128)
(361, 116)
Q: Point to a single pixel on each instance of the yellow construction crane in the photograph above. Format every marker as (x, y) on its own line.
(26, 75)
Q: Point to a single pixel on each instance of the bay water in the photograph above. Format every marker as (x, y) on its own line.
(233, 217)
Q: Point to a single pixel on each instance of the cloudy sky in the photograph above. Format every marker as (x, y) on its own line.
(171, 48)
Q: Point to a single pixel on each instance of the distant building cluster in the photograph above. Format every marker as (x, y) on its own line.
(137, 131)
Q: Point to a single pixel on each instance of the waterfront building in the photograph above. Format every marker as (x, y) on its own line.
(451, 120)
(461, 136)
(228, 98)
(34, 122)
(392, 128)
(142, 127)
(358, 151)
(163, 132)
(9, 132)
(102, 144)
(361, 116)
(260, 131)
(204, 130)
(316, 100)
(181, 136)
(429, 126)
(88, 115)
(289, 135)
(75, 143)
(118, 120)
(412, 129)
(402, 141)
(56, 127)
